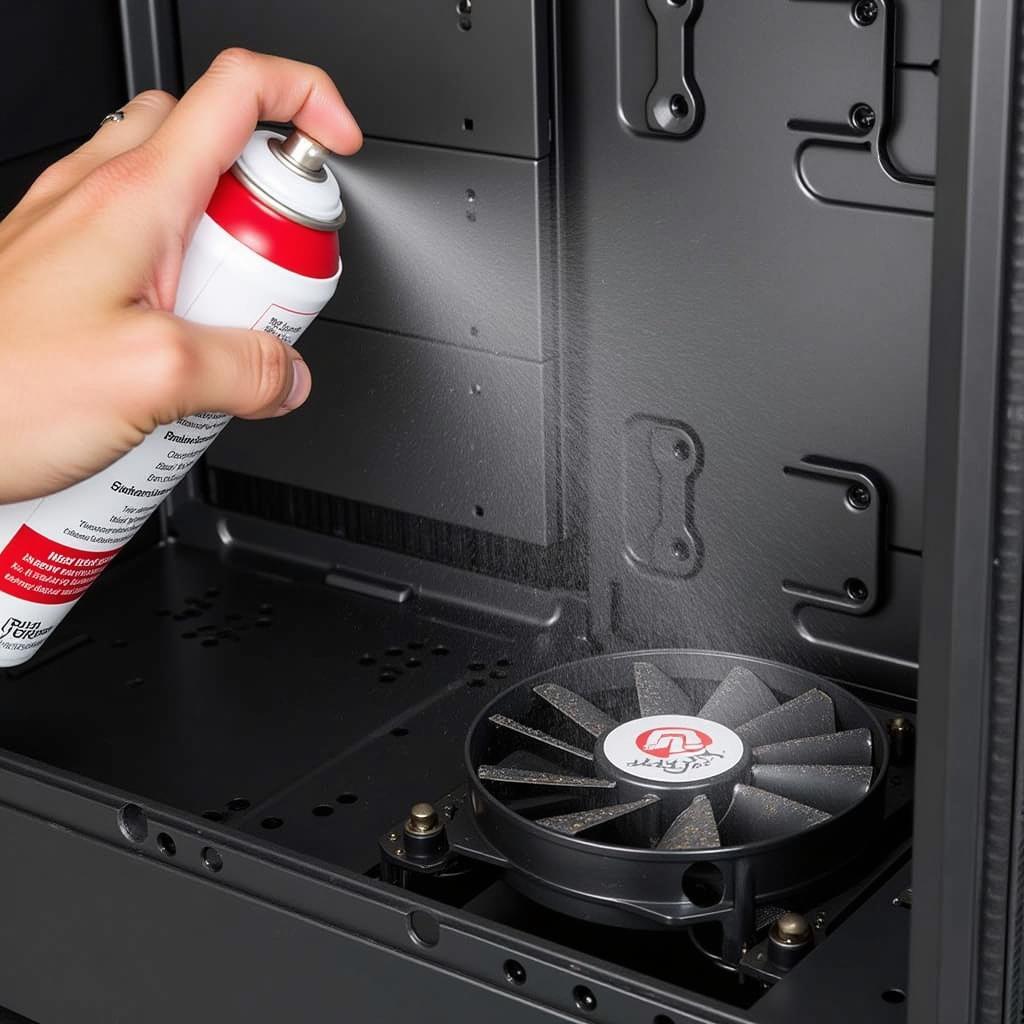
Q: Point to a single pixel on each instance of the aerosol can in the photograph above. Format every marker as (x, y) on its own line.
(264, 256)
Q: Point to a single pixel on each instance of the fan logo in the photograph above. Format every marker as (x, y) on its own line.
(673, 741)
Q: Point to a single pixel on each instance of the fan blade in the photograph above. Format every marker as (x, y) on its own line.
(740, 696)
(832, 787)
(850, 747)
(658, 693)
(548, 741)
(756, 814)
(495, 773)
(694, 829)
(576, 708)
(810, 714)
(573, 824)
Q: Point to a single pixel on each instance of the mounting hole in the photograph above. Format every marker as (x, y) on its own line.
(677, 106)
(464, 7)
(894, 995)
(856, 590)
(467, 124)
(681, 450)
(465, 24)
(211, 859)
(478, 511)
(584, 998)
(346, 798)
(515, 972)
(399, 732)
(323, 811)
(166, 845)
(680, 550)
(271, 823)
(662, 1018)
(424, 928)
(131, 820)
(703, 884)
(238, 804)
(213, 815)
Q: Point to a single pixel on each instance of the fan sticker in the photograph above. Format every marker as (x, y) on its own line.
(663, 748)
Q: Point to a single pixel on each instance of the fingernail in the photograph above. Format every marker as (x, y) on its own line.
(302, 382)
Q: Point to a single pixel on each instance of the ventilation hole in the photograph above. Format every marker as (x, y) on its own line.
(477, 681)
(271, 823)
(703, 884)
(424, 928)
(662, 1018)
(503, 662)
(119, 643)
(135, 682)
(239, 804)
(467, 124)
(478, 511)
(394, 652)
(232, 617)
(211, 859)
(387, 677)
(415, 645)
(476, 666)
(584, 998)
(323, 811)
(210, 641)
(192, 600)
(266, 609)
(131, 820)
(214, 815)
(499, 675)
(166, 845)
(181, 616)
(190, 635)
(206, 629)
(346, 798)
(225, 634)
(413, 663)
(263, 622)
(515, 972)
(163, 611)
(440, 650)
(399, 732)
(213, 591)
(894, 995)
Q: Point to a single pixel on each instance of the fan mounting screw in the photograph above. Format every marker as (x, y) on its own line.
(858, 497)
(864, 12)
(422, 819)
(862, 117)
(791, 930)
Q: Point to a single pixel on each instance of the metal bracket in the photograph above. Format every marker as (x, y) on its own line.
(837, 518)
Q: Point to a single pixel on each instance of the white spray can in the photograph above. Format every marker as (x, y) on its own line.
(264, 256)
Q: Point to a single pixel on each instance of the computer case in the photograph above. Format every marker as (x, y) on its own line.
(665, 327)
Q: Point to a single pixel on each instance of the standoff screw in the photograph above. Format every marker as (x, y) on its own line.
(422, 819)
(864, 12)
(791, 930)
(856, 590)
(858, 497)
(862, 117)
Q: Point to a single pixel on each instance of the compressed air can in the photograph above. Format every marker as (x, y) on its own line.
(264, 256)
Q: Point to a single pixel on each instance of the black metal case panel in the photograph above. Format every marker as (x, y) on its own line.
(450, 246)
(449, 74)
(429, 429)
(771, 328)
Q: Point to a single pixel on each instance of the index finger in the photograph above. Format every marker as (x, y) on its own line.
(213, 121)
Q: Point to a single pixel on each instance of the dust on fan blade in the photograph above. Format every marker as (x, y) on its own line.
(740, 696)
(831, 787)
(657, 693)
(576, 708)
(756, 814)
(850, 747)
(694, 829)
(523, 776)
(544, 739)
(582, 821)
(810, 714)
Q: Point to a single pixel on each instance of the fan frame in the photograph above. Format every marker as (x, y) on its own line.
(637, 887)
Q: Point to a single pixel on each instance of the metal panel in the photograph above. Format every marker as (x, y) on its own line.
(412, 425)
(407, 68)
(446, 245)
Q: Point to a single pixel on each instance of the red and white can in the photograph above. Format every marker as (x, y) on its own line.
(264, 256)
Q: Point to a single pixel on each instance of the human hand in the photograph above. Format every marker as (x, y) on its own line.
(91, 358)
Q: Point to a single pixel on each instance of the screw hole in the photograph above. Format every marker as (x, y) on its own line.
(271, 823)
(856, 590)
(478, 511)
(424, 928)
(346, 798)
(213, 815)
(515, 972)
(393, 652)
(323, 811)
(499, 675)
(131, 819)
(681, 450)
(387, 677)
(678, 107)
(585, 999)
(239, 804)
(662, 1018)
(477, 681)
(399, 732)
(212, 860)
(440, 650)
(894, 995)
(413, 663)
(503, 662)
(464, 7)
(470, 196)
(476, 666)
(467, 124)
(703, 884)
(166, 845)
(474, 331)
(680, 550)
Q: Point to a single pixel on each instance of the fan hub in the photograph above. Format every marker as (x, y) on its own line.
(676, 757)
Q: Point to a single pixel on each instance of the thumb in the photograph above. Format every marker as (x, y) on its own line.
(245, 373)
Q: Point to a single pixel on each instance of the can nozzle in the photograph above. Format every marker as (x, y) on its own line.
(301, 154)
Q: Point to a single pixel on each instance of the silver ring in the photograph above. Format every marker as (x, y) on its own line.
(117, 115)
